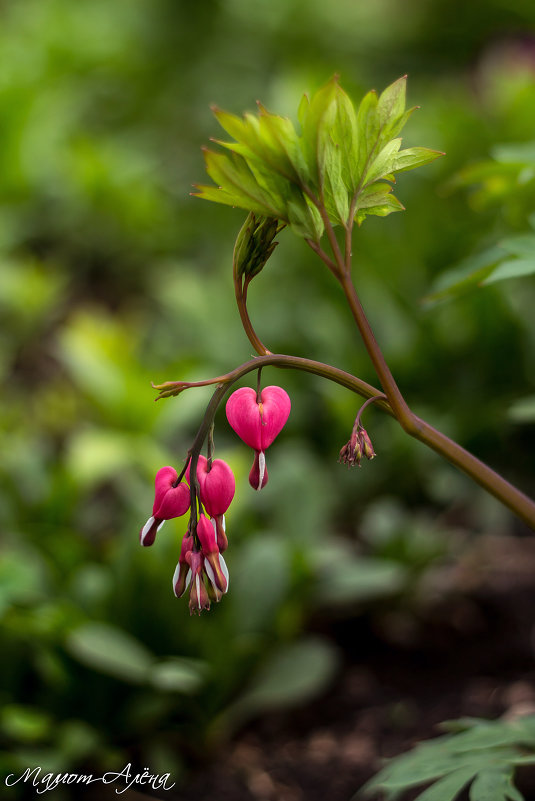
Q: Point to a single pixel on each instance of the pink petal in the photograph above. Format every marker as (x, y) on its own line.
(175, 502)
(257, 424)
(218, 487)
(276, 406)
(244, 417)
(165, 478)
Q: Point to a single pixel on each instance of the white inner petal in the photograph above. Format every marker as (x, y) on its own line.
(262, 468)
(224, 568)
(160, 525)
(223, 523)
(198, 588)
(146, 528)
(210, 572)
(175, 576)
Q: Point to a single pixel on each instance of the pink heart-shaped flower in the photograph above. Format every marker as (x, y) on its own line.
(169, 501)
(257, 424)
(217, 485)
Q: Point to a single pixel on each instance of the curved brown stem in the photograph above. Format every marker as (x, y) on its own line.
(241, 286)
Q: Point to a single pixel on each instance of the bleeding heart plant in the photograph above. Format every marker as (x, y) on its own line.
(336, 169)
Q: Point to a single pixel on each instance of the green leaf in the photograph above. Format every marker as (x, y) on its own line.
(25, 723)
(391, 103)
(466, 275)
(511, 268)
(110, 650)
(292, 675)
(367, 129)
(360, 579)
(234, 175)
(522, 153)
(448, 787)
(383, 164)
(520, 245)
(377, 199)
(271, 170)
(178, 675)
(317, 122)
(494, 785)
(304, 218)
(345, 136)
(523, 410)
(413, 157)
(335, 191)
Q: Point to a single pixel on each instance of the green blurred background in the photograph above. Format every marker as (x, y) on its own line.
(111, 276)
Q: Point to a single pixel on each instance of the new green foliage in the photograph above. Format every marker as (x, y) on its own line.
(338, 166)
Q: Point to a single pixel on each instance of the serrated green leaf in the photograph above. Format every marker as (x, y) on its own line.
(494, 785)
(345, 135)
(335, 192)
(377, 200)
(317, 122)
(232, 173)
(448, 787)
(256, 136)
(511, 268)
(368, 127)
(413, 157)
(485, 735)
(391, 103)
(285, 136)
(436, 758)
(304, 218)
(383, 163)
(337, 154)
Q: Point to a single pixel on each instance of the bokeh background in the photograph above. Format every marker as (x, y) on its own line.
(111, 276)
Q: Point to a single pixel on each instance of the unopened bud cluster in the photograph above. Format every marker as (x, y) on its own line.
(255, 244)
(358, 446)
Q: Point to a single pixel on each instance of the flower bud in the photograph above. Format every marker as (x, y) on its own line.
(182, 576)
(198, 596)
(214, 563)
(358, 446)
(366, 444)
(254, 244)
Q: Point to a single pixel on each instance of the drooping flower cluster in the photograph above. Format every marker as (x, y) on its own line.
(358, 446)
(201, 568)
(257, 421)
